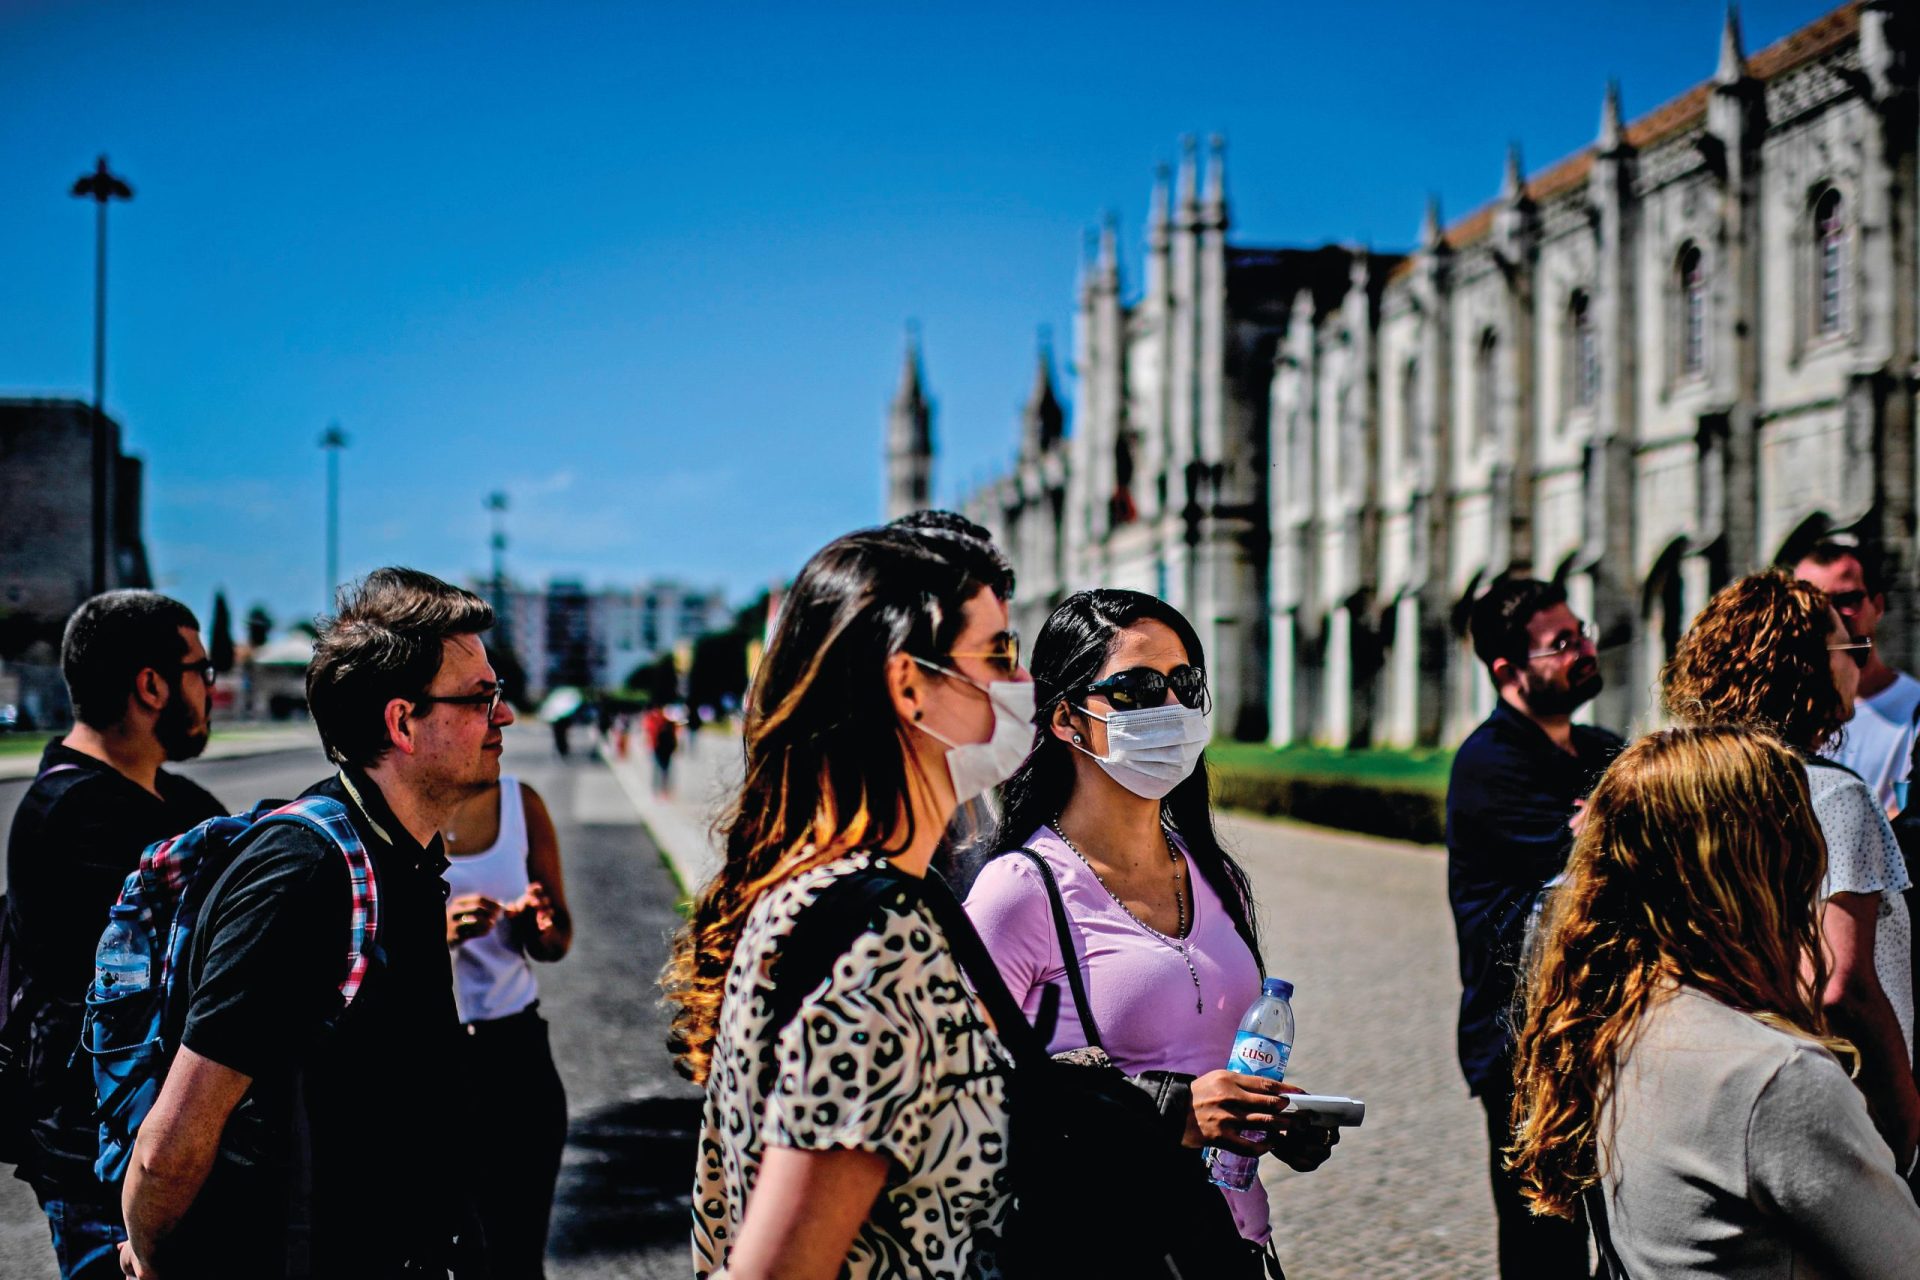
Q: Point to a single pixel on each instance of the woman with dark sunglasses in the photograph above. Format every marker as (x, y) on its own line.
(1112, 808)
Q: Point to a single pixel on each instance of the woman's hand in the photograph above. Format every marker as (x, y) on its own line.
(471, 915)
(1300, 1144)
(1226, 1104)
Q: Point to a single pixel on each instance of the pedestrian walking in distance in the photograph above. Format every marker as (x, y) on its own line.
(1114, 800)
(1773, 652)
(141, 686)
(1677, 1073)
(507, 907)
(289, 1137)
(890, 691)
(1517, 782)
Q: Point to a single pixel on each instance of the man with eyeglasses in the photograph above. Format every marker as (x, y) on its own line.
(1878, 741)
(141, 685)
(290, 1137)
(1517, 783)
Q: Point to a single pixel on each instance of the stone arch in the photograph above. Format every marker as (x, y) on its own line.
(1663, 614)
(1813, 528)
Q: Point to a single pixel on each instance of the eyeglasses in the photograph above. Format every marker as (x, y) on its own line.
(205, 667)
(1566, 642)
(1847, 601)
(1852, 646)
(1004, 657)
(490, 699)
(1138, 687)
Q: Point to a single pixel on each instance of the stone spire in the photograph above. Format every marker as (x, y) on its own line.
(1157, 217)
(1513, 184)
(1189, 178)
(1733, 62)
(1613, 133)
(909, 438)
(1042, 423)
(1215, 200)
(1430, 231)
(1106, 262)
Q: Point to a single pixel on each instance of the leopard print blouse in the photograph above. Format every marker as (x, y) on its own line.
(890, 1054)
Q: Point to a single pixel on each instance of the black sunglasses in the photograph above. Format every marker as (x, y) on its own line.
(205, 667)
(1139, 687)
(490, 699)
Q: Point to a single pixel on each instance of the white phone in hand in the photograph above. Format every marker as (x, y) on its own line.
(1326, 1109)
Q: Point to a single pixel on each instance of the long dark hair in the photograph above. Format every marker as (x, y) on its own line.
(1072, 647)
(827, 760)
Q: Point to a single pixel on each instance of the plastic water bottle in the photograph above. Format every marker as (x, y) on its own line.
(1260, 1048)
(123, 964)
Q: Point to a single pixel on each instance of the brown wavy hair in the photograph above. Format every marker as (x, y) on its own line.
(828, 769)
(1757, 655)
(1698, 865)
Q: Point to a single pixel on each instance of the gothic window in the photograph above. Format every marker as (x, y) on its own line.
(1410, 412)
(1486, 395)
(1691, 275)
(1583, 350)
(1830, 263)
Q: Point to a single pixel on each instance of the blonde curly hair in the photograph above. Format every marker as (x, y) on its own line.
(1757, 655)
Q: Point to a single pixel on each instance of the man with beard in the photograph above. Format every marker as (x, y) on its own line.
(141, 686)
(1878, 742)
(1517, 782)
(295, 1134)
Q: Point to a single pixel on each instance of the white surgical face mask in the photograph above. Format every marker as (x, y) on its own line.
(978, 767)
(1153, 750)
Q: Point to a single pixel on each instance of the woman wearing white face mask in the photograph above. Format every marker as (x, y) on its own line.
(1112, 807)
(891, 689)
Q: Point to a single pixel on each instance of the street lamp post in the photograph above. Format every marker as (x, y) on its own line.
(102, 187)
(333, 441)
(497, 504)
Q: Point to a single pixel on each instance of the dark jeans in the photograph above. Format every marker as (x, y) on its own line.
(521, 1113)
(1531, 1248)
(86, 1237)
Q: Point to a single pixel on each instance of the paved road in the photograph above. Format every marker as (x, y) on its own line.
(622, 1209)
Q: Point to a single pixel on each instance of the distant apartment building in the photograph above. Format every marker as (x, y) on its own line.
(568, 634)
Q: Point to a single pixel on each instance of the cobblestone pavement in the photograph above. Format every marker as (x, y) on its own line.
(1361, 928)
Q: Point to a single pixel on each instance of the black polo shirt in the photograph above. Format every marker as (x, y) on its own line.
(76, 837)
(265, 967)
(1509, 799)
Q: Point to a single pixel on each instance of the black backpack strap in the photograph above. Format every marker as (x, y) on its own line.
(825, 929)
(1594, 1201)
(1069, 957)
(1027, 1042)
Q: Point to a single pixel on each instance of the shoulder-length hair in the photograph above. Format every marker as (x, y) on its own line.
(827, 763)
(1067, 657)
(1757, 655)
(1698, 865)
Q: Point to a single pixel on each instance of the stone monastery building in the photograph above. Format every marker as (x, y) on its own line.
(1668, 359)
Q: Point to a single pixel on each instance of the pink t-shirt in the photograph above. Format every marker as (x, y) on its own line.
(1137, 981)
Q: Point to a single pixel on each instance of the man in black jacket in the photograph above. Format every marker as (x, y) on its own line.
(140, 683)
(290, 1137)
(1517, 782)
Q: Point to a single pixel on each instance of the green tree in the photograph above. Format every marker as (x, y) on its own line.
(657, 681)
(220, 635)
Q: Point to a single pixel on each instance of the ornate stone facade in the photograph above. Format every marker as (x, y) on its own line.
(1665, 360)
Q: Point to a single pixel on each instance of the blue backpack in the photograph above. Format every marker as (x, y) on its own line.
(132, 1033)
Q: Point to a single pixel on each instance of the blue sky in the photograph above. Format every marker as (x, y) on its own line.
(647, 267)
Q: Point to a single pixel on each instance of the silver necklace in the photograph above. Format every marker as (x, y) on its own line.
(1178, 943)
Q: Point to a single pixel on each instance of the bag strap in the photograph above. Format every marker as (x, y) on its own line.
(1027, 1042)
(1069, 957)
(329, 818)
(823, 932)
(1594, 1200)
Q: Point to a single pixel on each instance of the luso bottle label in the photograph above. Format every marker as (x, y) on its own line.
(1256, 1055)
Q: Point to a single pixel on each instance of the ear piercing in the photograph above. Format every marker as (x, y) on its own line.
(1078, 738)
(916, 715)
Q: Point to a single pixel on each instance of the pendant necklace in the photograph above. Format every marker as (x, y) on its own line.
(1178, 943)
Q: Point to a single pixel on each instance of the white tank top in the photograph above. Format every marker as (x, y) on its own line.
(492, 978)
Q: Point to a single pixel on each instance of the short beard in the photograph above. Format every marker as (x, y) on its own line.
(175, 730)
(1559, 702)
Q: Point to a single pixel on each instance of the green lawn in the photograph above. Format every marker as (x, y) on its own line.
(1423, 769)
(22, 744)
